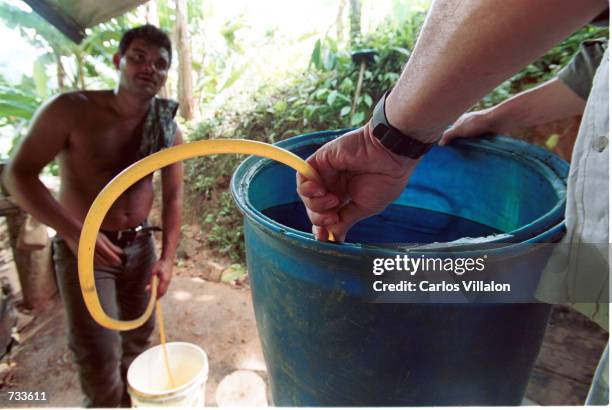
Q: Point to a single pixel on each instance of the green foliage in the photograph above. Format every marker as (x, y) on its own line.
(224, 228)
(544, 68)
(18, 103)
(319, 99)
(92, 61)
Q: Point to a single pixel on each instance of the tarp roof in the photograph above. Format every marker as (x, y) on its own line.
(72, 17)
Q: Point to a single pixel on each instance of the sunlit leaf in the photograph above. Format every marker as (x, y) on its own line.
(280, 106)
(402, 51)
(315, 57)
(332, 97)
(357, 118)
(40, 78)
(552, 141)
(321, 92)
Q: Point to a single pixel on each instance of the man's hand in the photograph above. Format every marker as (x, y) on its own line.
(359, 178)
(106, 254)
(471, 124)
(163, 270)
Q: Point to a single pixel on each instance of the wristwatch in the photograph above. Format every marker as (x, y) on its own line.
(392, 138)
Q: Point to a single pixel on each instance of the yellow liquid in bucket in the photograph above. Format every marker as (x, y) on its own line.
(179, 380)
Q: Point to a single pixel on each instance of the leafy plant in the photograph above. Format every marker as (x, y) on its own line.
(318, 99)
(544, 68)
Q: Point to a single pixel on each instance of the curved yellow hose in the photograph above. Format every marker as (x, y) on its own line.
(134, 173)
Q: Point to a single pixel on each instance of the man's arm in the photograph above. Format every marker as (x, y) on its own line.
(464, 50)
(562, 97)
(545, 103)
(47, 136)
(172, 204)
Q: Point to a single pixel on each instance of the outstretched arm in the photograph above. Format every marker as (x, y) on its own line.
(47, 136)
(545, 103)
(466, 48)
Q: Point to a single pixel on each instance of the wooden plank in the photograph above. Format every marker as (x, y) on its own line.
(567, 360)
(549, 389)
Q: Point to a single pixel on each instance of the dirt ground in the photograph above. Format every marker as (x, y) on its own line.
(218, 316)
(211, 315)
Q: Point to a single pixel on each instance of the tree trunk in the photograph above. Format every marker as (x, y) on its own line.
(152, 17)
(60, 73)
(185, 85)
(79, 82)
(355, 17)
(340, 21)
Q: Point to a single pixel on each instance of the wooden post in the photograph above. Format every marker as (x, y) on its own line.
(34, 267)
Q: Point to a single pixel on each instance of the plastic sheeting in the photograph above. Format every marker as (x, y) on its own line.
(72, 17)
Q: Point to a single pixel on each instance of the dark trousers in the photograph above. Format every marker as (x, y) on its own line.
(103, 355)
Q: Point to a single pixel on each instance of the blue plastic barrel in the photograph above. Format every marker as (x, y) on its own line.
(325, 345)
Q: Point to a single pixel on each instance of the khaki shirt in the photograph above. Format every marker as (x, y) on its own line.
(578, 268)
(578, 74)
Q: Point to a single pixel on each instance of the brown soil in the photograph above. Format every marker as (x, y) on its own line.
(218, 317)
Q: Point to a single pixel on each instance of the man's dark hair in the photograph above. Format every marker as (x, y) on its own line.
(150, 34)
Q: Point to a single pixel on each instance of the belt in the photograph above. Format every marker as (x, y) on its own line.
(126, 236)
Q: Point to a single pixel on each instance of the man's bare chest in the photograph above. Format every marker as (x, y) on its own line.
(105, 145)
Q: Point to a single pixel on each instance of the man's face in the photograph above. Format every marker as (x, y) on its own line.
(144, 67)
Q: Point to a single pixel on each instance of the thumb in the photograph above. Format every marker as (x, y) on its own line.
(449, 135)
(349, 214)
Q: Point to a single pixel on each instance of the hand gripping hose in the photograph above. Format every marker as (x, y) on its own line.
(134, 173)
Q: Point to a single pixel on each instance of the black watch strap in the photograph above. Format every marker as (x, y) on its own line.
(392, 138)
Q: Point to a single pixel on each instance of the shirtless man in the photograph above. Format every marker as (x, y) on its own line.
(95, 135)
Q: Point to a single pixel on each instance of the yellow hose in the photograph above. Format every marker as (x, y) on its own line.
(134, 173)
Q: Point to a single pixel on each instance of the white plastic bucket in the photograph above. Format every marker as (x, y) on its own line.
(148, 382)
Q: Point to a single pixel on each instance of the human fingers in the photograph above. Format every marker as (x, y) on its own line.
(308, 188)
(162, 288)
(469, 125)
(110, 245)
(320, 233)
(350, 214)
(330, 217)
(323, 204)
(162, 269)
(456, 131)
(101, 259)
(156, 271)
(107, 252)
(315, 193)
